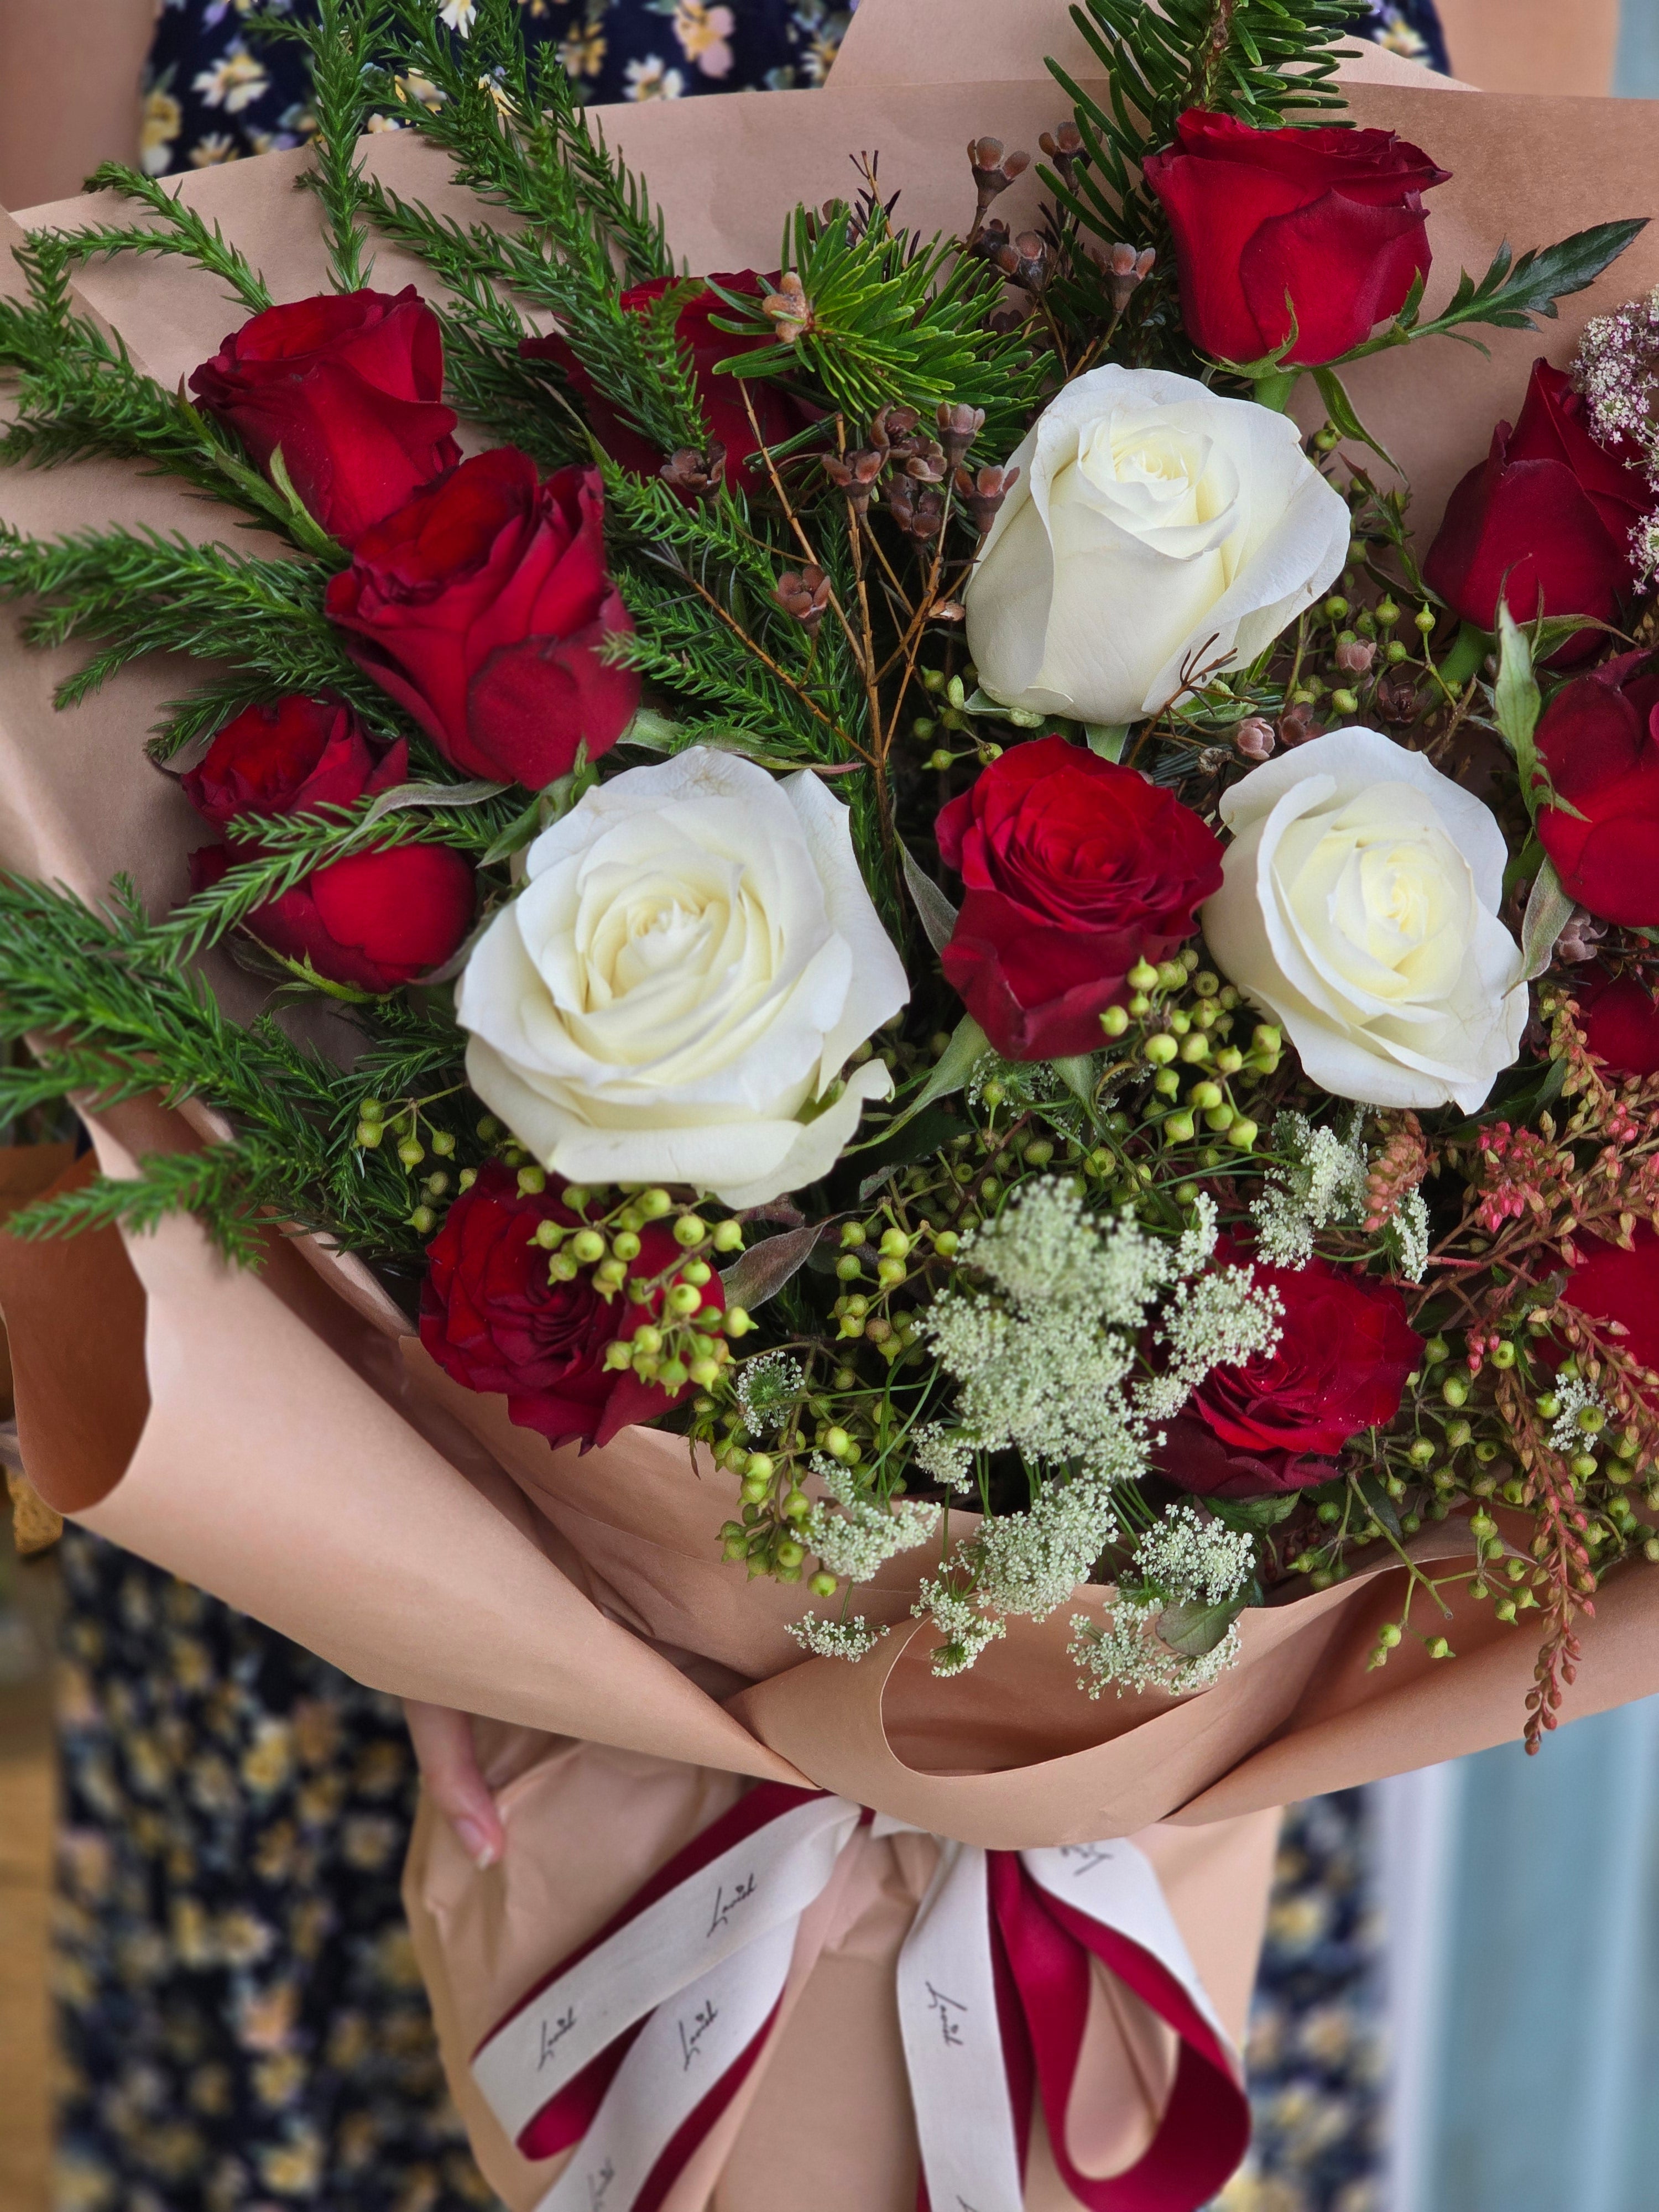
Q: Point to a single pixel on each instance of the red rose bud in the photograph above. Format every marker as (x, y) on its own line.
(1333, 219)
(1546, 519)
(351, 387)
(1620, 1017)
(1344, 1352)
(1074, 869)
(374, 921)
(721, 397)
(1599, 741)
(493, 1320)
(483, 607)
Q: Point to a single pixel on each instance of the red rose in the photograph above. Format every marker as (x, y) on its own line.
(481, 606)
(780, 416)
(494, 1320)
(1599, 740)
(1610, 1283)
(1344, 1352)
(1620, 1017)
(351, 387)
(1547, 515)
(1074, 869)
(374, 920)
(1328, 224)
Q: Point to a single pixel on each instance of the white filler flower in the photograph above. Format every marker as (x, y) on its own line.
(674, 994)
(1359, 905)
(1156, 530)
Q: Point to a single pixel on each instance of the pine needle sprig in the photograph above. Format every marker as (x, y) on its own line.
(147, 592)
(486, 379)
(180, 231)
(342, 42)
(506, 144)
(80, 394)
(890, 320)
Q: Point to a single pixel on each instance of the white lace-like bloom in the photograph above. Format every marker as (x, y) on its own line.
(674, 994)
(1318, 1182)
(1358, 905)
(1155, 531)
(1125, 1653)
(856, 1536)
(834, 1639)
(1191, 1556)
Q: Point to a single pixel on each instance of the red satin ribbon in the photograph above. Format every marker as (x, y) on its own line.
(1042, 1950)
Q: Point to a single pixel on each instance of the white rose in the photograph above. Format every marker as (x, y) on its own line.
(673, 995)
(1156, 530)
(1359, 904)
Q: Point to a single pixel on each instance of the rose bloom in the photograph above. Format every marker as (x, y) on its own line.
(1155, 531)
(1546, 518)
(1620, 1017)
(1358, 905)
(1599, 738)
(482, 607)
(492, 1317)
(1074, 869)
(1344, 1349)
(350, 386)
(1334, 219)
(674, 994)
(371, 921)
(721, 397)
(1612, 1284)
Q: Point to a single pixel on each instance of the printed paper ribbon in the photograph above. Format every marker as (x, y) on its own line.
(636, 2043)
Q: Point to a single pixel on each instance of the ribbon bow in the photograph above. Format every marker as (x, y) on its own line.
(636, 2043)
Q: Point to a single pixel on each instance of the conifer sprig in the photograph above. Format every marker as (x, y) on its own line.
(179, 231)
(343, 43)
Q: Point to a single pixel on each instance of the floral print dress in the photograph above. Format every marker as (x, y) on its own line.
(213, 92)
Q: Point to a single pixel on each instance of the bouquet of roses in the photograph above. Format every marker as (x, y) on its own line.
(898, 873)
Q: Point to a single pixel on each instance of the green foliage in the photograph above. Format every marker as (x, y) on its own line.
(146, 591)
(113, 984)
(523, 402)
(179, 231)
(514, 134)
(1513, 291)
(342, 44)
(891, 320)
(78, 392)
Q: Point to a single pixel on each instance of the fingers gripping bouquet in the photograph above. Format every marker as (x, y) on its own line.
(898, 871)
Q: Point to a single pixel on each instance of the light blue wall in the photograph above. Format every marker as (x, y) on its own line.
(1636, 67)
(1544, 2094)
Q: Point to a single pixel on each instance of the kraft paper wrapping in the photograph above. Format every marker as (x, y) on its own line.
(282, 1439)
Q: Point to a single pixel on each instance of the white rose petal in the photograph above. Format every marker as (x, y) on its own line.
(674, 993)
(1358, 905)
(1155, 530)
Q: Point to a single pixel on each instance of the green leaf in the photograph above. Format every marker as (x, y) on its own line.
(1193, 1628)
(1513, 292)
(1341, 410)
(969, 1045)
(1077, 1072)
(1107, 739)
(764, 1268)
(1383, 1510)
(1516, 703)
(1256, 1515)
(938, 916)
(1548, 909)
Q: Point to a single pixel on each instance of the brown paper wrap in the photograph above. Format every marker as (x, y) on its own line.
(282, 1439)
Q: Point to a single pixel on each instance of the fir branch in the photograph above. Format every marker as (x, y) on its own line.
(181, 231)
(890, 320)
(508, 143)
(147, 592)
(342, 42)
(486, 378)
(78, 392)
(227, 1188)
